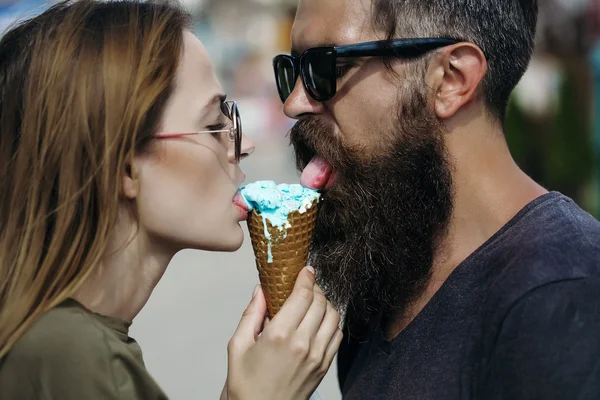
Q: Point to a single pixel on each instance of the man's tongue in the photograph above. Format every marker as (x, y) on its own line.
(316, 173)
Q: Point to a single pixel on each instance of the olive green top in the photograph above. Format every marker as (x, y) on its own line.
(71, 353)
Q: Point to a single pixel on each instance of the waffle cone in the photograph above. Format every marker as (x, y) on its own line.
(289, 250)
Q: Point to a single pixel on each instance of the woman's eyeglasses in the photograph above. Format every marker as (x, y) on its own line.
(317, 66)
(230, 110)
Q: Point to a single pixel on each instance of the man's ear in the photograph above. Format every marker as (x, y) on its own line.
(456, 74)
(130, 182)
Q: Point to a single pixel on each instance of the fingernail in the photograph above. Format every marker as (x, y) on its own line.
(311, 269)
(256, 289)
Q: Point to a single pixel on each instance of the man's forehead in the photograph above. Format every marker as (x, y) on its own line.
(327, 22)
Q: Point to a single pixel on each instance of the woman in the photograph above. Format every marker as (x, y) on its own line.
(117, 150)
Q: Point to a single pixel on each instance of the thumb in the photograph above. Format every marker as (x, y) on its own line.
(252, 319)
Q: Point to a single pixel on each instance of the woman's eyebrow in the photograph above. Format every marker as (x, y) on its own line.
(208, 107)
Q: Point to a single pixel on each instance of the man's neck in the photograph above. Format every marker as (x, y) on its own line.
(489, 190)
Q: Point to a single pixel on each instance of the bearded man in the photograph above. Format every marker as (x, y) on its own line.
(460, 277)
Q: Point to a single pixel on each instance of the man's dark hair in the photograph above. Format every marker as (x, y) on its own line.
(503, 29)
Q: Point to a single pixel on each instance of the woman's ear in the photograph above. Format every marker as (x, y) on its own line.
(130, 182)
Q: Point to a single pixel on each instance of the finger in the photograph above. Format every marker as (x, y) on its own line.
(327, 330)
(252, 320)
(300, 300)
(314, 317)
(333, 348)
(264, 326)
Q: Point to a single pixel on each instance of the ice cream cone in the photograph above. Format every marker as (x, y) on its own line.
(288, 248)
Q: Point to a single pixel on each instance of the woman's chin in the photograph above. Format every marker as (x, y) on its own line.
(226, 244)
(231, 247)
(239, 240)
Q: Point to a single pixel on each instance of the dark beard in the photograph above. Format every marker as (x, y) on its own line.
(380, 224)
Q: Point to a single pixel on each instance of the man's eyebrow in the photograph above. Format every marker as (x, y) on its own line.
(296, 51)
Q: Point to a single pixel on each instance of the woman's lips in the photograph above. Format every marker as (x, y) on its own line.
(239, 201)
(243, 213)
(241, 205)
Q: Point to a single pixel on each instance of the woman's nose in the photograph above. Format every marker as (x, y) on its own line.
(247, 149)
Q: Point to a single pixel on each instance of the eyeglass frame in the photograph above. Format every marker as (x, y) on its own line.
(403, 48)
(234, 133)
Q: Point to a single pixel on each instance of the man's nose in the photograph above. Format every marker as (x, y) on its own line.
(300, 103)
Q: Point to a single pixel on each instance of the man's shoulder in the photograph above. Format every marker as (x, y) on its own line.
(553, 240)
(550, 334)
(559, 223)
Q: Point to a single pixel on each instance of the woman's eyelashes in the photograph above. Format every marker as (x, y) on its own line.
(217, 129)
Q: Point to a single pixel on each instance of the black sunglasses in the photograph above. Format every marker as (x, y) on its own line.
(317, 66)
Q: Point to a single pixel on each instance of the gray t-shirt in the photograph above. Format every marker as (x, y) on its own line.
(519, 319)
(71, 353)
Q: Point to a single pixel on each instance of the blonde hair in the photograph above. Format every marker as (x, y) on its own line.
(82, 87)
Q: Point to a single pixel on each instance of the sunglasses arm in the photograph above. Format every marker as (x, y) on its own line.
(395, 47)
(167, 135)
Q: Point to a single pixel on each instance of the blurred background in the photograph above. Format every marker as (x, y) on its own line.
(551, 127)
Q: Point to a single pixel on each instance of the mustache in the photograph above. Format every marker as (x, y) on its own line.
(313, 136)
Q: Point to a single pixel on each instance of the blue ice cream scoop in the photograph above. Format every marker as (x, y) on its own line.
(276, 202)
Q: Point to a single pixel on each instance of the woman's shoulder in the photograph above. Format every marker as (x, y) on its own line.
(71, 353)
(65, 333)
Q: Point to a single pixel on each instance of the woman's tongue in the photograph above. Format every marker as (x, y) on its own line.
(316, 174)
